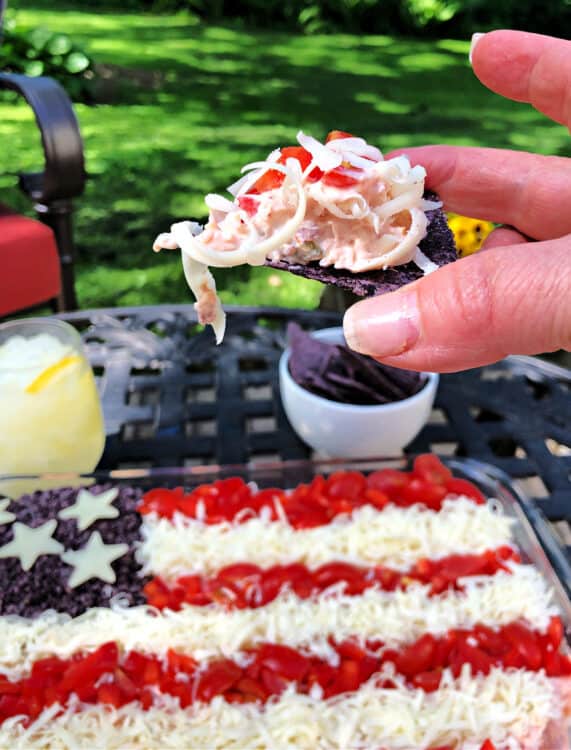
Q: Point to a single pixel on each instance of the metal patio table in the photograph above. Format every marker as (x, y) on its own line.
(172, 398)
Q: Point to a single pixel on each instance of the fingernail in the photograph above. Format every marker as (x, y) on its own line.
(385, 326)
(475, 39)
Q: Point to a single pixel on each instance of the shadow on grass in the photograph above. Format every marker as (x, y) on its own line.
(228, 96)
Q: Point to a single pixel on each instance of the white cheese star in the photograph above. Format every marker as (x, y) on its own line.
(94, 560)
(89, 508)
(5, 516)
(28, 544)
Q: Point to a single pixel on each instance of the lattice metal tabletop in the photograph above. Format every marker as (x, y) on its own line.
(172, 398)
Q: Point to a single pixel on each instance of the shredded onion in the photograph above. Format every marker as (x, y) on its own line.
(199, 278)
(355, 200)
(424, 263)
(219, 203)
(394, 206)
(236, 187)
(427, 205)
(323, 157)
(357, 146)
(402, 251)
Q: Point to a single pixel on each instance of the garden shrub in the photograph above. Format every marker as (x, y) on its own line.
(43, 52)
(428, 18)
(417, 17)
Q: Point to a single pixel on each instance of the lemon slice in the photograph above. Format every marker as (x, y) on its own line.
(47, 375)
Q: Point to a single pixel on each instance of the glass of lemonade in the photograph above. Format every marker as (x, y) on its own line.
(50, 414)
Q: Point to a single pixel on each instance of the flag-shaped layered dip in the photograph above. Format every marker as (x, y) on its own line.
(337, 211)
(382, 612)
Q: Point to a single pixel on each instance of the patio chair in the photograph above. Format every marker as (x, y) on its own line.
(36, 257)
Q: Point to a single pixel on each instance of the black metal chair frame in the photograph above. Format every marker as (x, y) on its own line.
(63, 178)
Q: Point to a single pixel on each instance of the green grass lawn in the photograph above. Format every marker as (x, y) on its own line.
(188, 104)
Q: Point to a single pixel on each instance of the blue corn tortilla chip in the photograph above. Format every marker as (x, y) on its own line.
(339, 374)
(438, 245)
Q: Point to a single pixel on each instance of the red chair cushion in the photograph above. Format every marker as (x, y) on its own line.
(29, 263)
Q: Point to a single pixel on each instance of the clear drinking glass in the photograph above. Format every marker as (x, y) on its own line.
(50, 413)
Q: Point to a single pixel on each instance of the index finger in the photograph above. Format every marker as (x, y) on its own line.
(529, 68)
(527, 191)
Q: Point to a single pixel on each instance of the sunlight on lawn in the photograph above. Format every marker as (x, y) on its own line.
(188, 104)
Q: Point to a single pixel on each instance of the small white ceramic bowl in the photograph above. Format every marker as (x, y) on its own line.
(350, 430)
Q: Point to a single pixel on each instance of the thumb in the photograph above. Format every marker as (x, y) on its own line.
(507, 300)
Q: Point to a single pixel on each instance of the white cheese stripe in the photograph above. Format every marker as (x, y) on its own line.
(508, 708)
(396, 618)
(396, 537)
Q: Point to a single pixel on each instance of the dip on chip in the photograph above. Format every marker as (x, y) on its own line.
(337, 212)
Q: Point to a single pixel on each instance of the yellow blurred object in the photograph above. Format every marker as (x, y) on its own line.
(469, 234)
(49, 373)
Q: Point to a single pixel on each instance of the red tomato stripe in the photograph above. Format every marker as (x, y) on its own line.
(247, 586)
(106, 676)
(317, 503)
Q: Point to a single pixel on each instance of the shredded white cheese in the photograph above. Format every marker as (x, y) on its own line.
(395, 537)
(507, 708)
(395, 617)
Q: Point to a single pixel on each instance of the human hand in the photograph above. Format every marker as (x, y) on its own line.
(514, 296)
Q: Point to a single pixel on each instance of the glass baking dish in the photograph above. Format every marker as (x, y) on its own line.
(532, 534)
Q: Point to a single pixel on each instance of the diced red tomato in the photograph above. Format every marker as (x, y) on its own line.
(347, 678)
(284, 661)
(321, 673)
(273, 178)
(335, 135)
(428, 681)
(248, 203)
(525, 642)
(134, 665)
(158, 593)
(429, 468)
(295, 152)
(418, 657)
(555, 631)
(273, 682)
(490, 640)
(348, 485)
(376, 498)
(460, 566)
(129, 690)
(80, 676)
(251, 689)
(111, 694)
(237, 572)
(7, 687)
(180, 663)
(419, 491)
(331, 573)
(216, 679)
(339, 178)
(164, 502)
(270, 180)
(462, 653)
(389, 481)
(457, 486)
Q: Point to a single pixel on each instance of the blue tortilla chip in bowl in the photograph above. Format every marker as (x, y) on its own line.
(344, 404)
